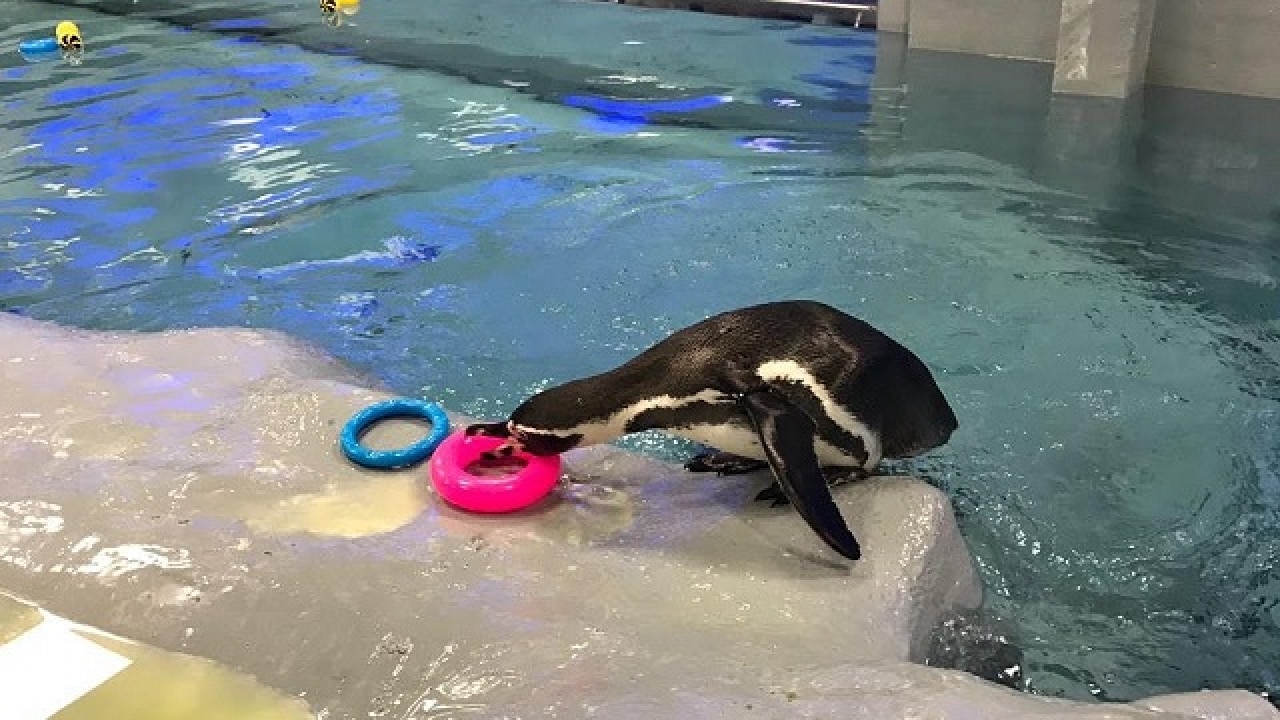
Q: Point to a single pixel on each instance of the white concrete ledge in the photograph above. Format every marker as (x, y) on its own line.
(185, 489)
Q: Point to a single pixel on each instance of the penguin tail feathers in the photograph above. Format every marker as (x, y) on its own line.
(914, 415)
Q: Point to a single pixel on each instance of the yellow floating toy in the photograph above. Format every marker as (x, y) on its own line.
(69, 38)
(66, 41)
(333, 10)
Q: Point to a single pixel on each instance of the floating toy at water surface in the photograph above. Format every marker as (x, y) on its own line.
(453, 460)
(333, 10)
(452, 474)
(66, 41)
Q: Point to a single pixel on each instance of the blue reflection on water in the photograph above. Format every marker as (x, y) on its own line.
(842, 80)
(639, 108)
(622, 115)
(846, 75)
(225, 146)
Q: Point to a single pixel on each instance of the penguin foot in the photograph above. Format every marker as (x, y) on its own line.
(773, 495)
(723, 463)
(847, 475)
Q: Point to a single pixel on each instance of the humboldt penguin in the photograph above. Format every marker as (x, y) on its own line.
(797, 386)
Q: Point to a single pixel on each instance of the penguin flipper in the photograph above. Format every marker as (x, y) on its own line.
(787, 435)
(776, 497)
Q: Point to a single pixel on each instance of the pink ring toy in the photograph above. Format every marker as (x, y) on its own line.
(489, 493)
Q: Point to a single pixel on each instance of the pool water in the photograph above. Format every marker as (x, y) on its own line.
(474, 202)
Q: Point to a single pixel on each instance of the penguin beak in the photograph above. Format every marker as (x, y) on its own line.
(498, 430)
(508, 449)
(511, 447)
(517, 441)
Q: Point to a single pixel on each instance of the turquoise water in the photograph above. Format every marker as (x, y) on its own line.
(474, 202)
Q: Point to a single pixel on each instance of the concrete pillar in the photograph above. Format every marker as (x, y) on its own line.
(891, 59)
(1103, 46)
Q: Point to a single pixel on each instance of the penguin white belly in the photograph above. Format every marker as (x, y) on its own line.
(743, 440)
(735, 439)
(831, 456)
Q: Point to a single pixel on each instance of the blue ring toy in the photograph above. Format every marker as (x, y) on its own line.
(390, 459)
(43, 46)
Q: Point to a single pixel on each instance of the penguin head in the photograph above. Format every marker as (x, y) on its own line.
(521, 438)
(543, 442)
(555, 421)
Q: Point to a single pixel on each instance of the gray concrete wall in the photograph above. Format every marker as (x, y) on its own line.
(1014, 28)
(1230, 46)
(1221, 45)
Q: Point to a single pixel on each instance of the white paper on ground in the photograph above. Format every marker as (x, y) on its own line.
(49, 667)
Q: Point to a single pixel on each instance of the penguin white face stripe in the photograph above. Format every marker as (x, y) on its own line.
(615, 426)
(791, 371)
(591, 432)
(737, 439)
(667, 402)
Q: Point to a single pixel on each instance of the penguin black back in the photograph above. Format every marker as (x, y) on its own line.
(883, 383)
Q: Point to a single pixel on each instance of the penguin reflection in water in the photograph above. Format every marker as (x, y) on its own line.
(799, 387)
